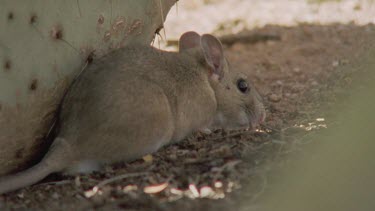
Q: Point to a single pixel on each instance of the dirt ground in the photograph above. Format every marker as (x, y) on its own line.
(301, 76)
(298, 77)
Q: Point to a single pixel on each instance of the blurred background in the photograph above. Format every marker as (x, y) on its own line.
(233, 16)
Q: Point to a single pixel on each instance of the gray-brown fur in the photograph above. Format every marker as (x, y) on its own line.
(137, 99)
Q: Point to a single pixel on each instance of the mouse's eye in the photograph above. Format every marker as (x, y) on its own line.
(243, 86)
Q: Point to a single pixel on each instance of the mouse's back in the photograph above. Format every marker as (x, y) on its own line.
(132, 97)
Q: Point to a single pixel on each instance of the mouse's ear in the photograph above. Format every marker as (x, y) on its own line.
(213, 54)
(189, 40)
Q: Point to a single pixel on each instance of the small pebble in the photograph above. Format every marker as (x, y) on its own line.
(274, 98)
(148, 158)
(172, 157)
(55, 195)
(297, 70)
(314, 83)
(335, 63)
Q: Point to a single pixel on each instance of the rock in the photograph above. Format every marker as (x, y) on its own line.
(274, 98)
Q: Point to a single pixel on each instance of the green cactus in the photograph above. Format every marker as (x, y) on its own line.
(43, 45)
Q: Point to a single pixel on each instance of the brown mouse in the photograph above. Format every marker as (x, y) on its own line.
(136, 99)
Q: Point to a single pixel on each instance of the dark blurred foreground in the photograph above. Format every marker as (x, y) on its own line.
(340, 175)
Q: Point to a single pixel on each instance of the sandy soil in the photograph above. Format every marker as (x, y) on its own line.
(233, 16)
(300, 76)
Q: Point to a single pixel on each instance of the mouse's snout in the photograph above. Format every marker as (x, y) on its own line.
(262, 117)
(258, 118)
(258, 113)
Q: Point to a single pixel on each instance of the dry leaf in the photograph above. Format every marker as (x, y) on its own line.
(152, 189)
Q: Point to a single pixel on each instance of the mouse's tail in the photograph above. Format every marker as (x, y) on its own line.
(57, 158)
